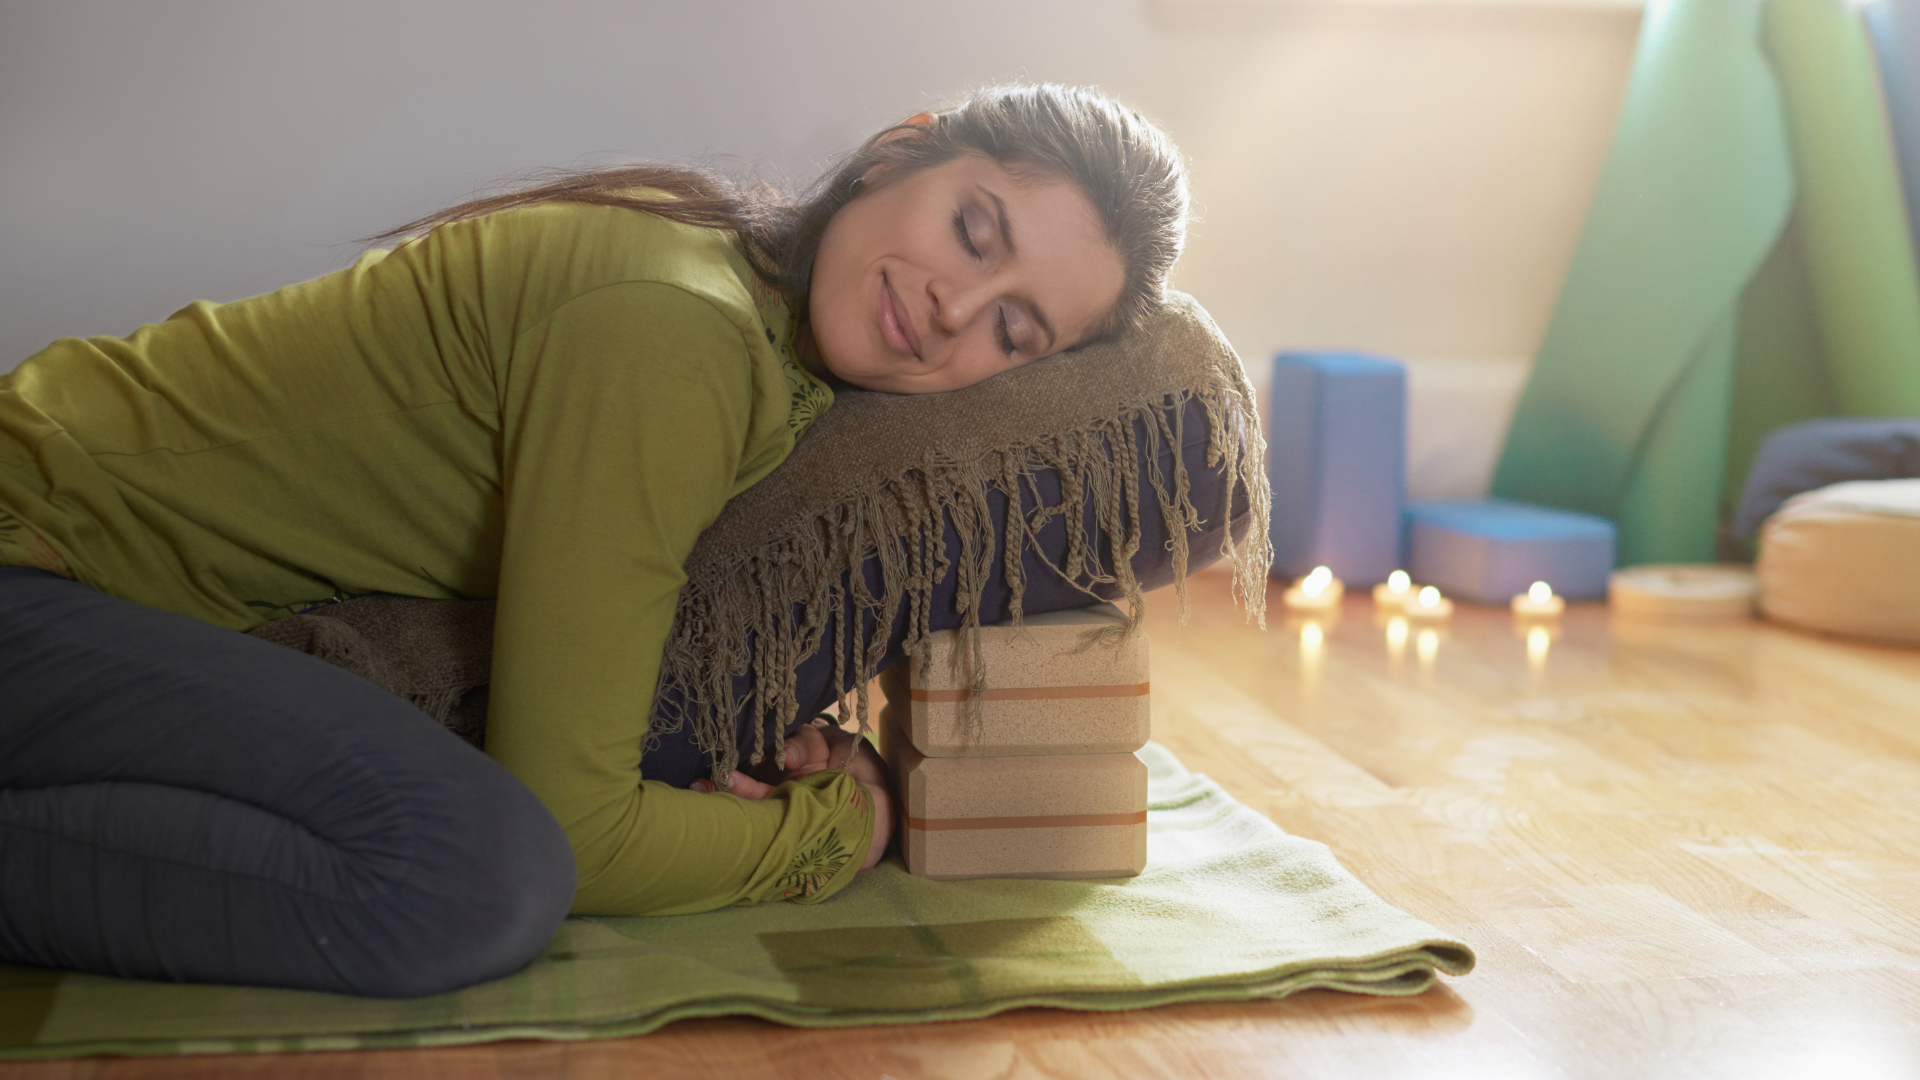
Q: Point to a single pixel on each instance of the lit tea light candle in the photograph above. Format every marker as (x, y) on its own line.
(1395, 593)
(1539, 602)
(1317, 592)
(1429, 604)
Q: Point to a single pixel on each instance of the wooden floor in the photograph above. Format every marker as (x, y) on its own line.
(1678, 851)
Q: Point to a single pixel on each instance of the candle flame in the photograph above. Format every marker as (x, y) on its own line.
(1398, 581)
(1540, 592)
(1316, 582)
(1429, 597)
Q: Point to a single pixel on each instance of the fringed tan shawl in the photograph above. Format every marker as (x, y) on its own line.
(779, 574)
(434, 653)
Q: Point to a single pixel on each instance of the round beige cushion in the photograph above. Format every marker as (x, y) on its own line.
(1846, 559)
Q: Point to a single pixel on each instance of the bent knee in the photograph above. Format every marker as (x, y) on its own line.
(485, 922)
(488, 883)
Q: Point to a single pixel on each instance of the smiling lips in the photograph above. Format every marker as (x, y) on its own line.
(894, 325)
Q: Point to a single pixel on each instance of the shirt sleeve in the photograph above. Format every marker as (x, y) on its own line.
(624, 417)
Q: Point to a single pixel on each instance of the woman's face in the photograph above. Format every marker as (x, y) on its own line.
(955, 273)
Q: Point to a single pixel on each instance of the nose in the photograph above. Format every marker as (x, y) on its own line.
(957, 302)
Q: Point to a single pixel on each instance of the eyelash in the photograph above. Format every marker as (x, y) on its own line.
(1000, 321)
(960, 230)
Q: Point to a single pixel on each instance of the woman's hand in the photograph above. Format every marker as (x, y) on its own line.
(823, 745)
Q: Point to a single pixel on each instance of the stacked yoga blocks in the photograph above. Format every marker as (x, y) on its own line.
(1035, 776)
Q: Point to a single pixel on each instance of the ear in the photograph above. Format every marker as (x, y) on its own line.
(921, 120)
(916, 122)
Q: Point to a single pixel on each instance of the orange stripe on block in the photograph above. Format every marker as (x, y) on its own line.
(1056, 821)
(1029, 693)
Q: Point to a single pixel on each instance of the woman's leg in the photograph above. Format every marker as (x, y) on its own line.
(179, 801)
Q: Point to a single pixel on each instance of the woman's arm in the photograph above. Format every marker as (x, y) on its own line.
(820, 746)
(624, 418)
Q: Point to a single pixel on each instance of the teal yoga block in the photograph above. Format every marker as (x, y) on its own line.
(1337, 459)
(1486, 551)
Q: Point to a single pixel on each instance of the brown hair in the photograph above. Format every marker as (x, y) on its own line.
(1125, 165)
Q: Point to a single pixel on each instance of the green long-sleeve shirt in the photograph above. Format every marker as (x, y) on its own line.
(546, 406)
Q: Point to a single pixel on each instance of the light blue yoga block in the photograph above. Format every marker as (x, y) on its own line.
(1488, 550)
(1337, 458)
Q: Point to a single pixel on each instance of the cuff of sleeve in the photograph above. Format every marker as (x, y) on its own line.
(834, 854)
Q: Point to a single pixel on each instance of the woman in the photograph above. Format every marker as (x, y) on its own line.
(544, 399)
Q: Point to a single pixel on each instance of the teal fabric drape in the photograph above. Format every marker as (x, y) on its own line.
(1692, 318)
(1893, 26)
(1626, 411)
(1860, 264)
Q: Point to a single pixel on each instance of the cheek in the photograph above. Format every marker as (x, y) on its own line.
(837, 330)
(832, 309)
(829, 290)
(823, 284)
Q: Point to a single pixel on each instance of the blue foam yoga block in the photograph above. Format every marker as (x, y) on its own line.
(1337, 458)
(1488, 550)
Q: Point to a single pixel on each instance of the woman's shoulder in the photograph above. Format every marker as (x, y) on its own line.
(580, 247)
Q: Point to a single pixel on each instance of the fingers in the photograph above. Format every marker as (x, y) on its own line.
(743, 785)
(818, 746)
(748, 788)
(839, 744)
(807, 751)
(866, 766)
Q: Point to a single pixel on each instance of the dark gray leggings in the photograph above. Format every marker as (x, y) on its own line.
(178, 801)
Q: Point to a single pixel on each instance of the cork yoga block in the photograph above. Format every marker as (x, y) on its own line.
(1047, 690)
(1054, 816)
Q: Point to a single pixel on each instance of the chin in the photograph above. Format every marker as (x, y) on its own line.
(859, 368)
(868, 382)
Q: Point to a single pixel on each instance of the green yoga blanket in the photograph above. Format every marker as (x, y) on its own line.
(1686, 328)
(1229, 909)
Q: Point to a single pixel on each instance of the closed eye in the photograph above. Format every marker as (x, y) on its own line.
(960, 230)
(1002, 336)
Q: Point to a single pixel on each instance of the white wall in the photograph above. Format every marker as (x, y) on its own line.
(1402, 178)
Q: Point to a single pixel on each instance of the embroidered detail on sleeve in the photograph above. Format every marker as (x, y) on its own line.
(39, 554)
(808, 398)
(812, 870)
